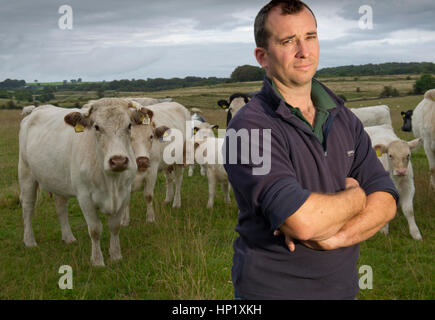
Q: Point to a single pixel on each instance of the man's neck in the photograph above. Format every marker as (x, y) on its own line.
(298, 97)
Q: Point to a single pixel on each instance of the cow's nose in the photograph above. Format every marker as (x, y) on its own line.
(118, 163)
(401, 172)
(143, 163)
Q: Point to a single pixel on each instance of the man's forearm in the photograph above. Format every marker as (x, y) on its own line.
(322, 216)
(380, 208)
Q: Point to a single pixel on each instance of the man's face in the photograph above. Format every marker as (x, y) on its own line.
(292, 55)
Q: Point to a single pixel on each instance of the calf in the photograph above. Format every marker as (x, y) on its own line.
(208, 153)
(149, 148)
(423, 126)
(85, 154)
(395, 155)
(373, 116)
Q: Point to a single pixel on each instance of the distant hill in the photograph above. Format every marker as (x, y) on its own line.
(390, 68)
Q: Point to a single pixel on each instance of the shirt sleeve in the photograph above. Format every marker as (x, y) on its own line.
(268, 187)
(367, 169)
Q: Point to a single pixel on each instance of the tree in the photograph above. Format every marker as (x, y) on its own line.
(426, 82)
(247, 73)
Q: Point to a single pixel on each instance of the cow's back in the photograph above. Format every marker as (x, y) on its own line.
(48, 147)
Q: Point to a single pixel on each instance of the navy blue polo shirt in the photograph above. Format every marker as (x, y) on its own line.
(263, 266)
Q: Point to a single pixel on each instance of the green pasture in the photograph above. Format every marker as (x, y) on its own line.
(187, 252)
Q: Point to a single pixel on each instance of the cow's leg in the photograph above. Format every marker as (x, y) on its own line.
(169, 177)
(125, 217)
(150, 182)
(226, 189)
(61, 204)
(211, 189)
(431, 158)
(28, 189)
(191, 168)
(114, 223)
(178, 173)
(203, 173)
(384, 229)
(95, 229)
(405, 201)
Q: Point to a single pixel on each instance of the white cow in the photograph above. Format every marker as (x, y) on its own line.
(396, 159)
(373, 116)
(208, 153)
(27, 110)
(149, 147)
(423, 126)
(145, 101)
(85, 154)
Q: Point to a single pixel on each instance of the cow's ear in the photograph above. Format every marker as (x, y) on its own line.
(142, 116)
(414, 144)
(78, 121)
(380, 149)
(223, 104)
(215, 126)
(161, 131)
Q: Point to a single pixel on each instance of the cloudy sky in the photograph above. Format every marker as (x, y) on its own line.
(125, 39)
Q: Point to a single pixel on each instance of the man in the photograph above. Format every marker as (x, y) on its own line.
(301, 224)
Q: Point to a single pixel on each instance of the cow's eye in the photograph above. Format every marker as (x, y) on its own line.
(129, 126)
(151, 137)
(97, 128)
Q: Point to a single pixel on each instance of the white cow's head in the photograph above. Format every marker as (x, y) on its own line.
(110, 121)
(398, 154)
(143, 137)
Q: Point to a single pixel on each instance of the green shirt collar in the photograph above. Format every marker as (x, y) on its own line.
(322, 101)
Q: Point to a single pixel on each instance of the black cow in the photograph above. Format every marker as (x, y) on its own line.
(235, 103)
(407, 120)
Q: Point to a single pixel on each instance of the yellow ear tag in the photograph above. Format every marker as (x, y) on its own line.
(195, 131)
(79, 127)
(404, 116)
(379, 153)
(166, 134)
(145, 119)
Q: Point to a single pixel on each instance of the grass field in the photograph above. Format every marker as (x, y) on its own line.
(187, 253)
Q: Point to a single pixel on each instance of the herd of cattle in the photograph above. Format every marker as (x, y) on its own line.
(114, 146)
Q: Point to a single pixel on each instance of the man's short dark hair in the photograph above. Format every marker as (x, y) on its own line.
(287, 7)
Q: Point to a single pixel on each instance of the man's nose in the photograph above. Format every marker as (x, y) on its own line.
(303, 49)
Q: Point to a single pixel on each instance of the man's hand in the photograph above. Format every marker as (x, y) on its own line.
(327, 244)
(288, 240)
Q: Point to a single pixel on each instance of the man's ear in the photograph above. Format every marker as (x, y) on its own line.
(261, 56)
(78, 121)
(223, 104)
